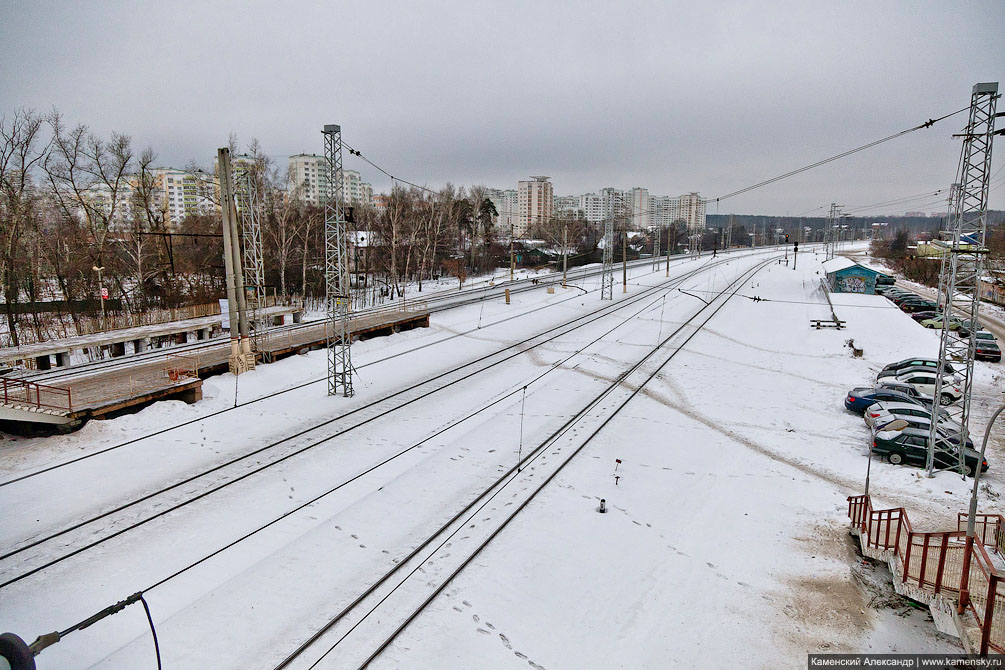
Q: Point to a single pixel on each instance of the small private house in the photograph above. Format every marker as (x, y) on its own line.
(846, 276)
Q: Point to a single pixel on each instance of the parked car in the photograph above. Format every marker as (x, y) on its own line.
(966, 325)
(922, 424)
(938, 321)
(907, 390)
(858, 399)
(924, 381)
(932, 363)
(927, 314)
(885, 280)
(910, 446)
(883, 412)
(887, 374)
(911, 306)
(988, 350)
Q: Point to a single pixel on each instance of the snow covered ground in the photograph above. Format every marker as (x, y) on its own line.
(726, 541)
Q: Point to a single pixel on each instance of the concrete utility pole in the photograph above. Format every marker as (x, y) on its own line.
(237, 362)
(624, 258)
(656, 250)
(101, 295)
(565, 251)
(235, 248)
(512, 258)
(337, 296)
(964, 241)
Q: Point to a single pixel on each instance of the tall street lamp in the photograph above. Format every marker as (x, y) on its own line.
(101, 295)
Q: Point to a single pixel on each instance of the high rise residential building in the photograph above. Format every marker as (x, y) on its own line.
(638, 204)
(536, 202)
(692, 211)
(181, 193)
(309, 180)
(592, 206)
(665, 210)
(507, 206)
(567, 204)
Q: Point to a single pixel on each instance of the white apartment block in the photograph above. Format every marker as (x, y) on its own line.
(664, 210)
(567, 204)
(507, 206)
(692, 211)
(592, 206)
(309, 180)
(182, 193)
(536, 202)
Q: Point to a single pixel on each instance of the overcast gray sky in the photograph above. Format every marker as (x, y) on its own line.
(672, 96)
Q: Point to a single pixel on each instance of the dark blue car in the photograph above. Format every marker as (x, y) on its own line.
(858, 399)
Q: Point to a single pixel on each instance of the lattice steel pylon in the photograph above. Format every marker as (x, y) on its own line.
(832, 230)
(964, 243)
(337, 296)
(607, 276)
(254, 268)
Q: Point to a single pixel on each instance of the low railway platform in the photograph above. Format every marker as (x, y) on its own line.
(71, 400)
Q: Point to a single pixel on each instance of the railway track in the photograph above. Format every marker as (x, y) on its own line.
(435, 302)
(363, 629)
(123, 518)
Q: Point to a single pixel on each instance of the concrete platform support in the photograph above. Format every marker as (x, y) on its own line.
(193, 395)
(298, 317)
(278, 320)
(43, 362)
(141, 345)
(118, 349)
(63, 359)
(203, 334)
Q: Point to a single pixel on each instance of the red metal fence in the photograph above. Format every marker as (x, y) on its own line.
(32, 394)
(935, 561)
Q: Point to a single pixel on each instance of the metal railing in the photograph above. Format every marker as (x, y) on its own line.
(934, 561)
(33, 394)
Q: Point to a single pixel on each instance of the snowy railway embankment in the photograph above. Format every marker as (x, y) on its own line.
(447, 516)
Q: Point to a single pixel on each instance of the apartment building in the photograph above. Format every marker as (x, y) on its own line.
(567, 204)
(507, 205)
(535, 202)
(638, 204)
(692, 211)
(310, 181)
(592, 206)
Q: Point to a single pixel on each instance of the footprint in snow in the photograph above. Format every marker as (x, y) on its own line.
(535, 665)
(456, 609)
(519, 655)
(505, 641)
(711, 565)
(475, 618)
(354, 536)
(483, 631)
(466, 603)
(362, 546)
(744, 584)
(488, 625)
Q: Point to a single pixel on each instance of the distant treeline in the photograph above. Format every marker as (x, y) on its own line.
(912, 224)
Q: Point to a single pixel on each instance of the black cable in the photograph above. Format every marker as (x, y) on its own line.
(260, 468)
(273, 394)
(153, 631)
(926, 124)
